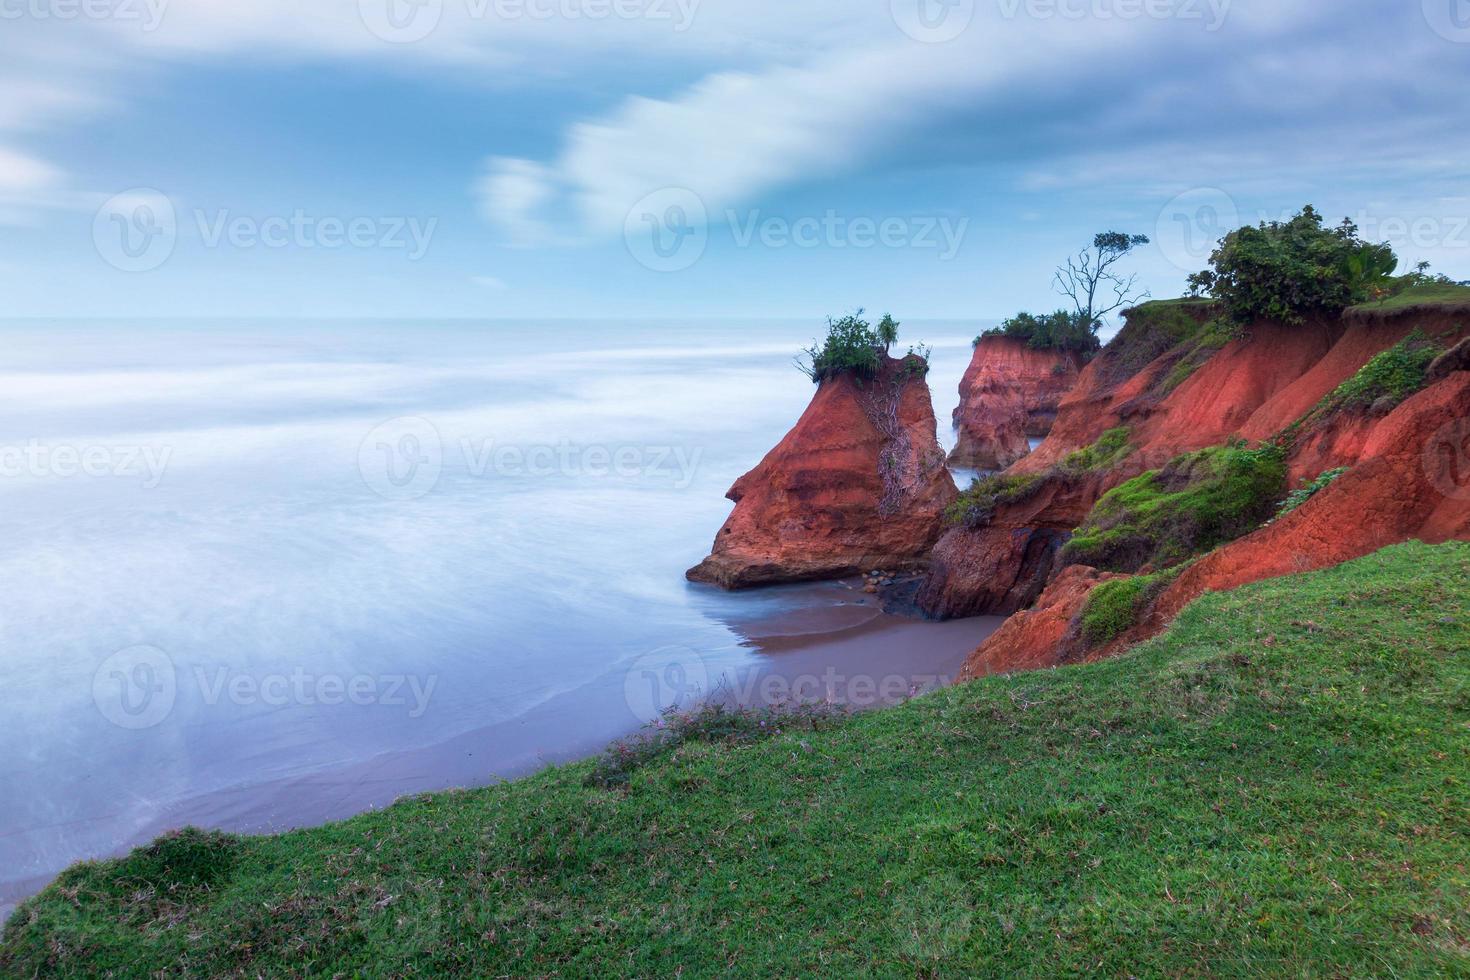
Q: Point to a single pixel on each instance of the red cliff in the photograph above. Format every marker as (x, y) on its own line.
(1409, 479)
(1009, 394)
(858, 483)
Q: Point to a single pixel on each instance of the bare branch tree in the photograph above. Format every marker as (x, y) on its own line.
(1089, 280)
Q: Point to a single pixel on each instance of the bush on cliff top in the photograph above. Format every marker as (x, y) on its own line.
(1060, 331)
(852, 346)
(1196, 502)
(1289, 270)
(1239, 796)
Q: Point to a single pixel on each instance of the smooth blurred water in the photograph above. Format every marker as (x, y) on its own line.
(494, 516)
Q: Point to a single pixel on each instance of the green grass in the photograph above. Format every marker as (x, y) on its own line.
(1196, 502)
(975, 506)
(1428, 294)
(1112, 608)
(1109, 448)
(1276, 786)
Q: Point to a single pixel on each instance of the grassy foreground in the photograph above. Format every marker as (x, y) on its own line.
(1278, 784)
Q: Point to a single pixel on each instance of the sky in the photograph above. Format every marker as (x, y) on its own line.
(698, 158)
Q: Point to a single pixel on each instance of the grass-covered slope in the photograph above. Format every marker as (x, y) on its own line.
(1278, 785)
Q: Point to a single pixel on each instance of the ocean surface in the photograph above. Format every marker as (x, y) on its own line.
(256, 576)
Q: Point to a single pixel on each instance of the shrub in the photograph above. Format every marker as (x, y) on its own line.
(1061, 331)
(1289, 270)
(1301, 495)
(711, 722)
(1109, 448)
(1388, 378)
(853, 345)
(1199, 500)
(976, 506)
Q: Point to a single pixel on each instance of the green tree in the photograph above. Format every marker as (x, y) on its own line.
(887, 331)
(1290, 270)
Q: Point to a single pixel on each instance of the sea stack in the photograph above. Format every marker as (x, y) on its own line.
(1009, 395)
(859, 483)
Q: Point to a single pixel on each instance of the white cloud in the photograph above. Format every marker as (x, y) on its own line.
(733, 135)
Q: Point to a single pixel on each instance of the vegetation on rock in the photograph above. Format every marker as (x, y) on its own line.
(1290, 270)
(1052, 331)
(1196, 502)
(852, 346)
(1304, 493)
(1388, 378)
(1240, 795)
(1110, 448)
(976, 506)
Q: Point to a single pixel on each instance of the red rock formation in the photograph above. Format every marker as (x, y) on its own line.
(859, 483)
(1009, 394)
(1036, 638)
(1410, 479)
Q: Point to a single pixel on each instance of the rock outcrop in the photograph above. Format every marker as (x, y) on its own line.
(1009, 394)
(1253, 388)
(1409, 479)
(859, 483)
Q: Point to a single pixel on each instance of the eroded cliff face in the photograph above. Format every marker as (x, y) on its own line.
(1253, 387)
(859, 483)
(1010, 394)
(1408, 478)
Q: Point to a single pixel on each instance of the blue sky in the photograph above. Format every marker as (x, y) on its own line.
(673, 158)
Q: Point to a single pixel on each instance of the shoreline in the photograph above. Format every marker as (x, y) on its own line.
(851, 642)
